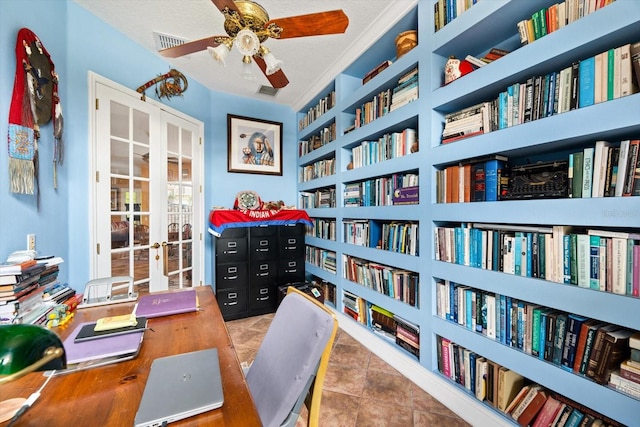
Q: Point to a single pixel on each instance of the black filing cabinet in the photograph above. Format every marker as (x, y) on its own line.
(250, 264)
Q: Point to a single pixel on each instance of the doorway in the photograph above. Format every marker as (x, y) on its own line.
(147, 192)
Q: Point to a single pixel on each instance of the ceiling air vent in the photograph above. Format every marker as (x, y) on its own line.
(165, 41)
(267, 90)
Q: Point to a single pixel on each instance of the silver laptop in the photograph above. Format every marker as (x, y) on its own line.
(180, 386)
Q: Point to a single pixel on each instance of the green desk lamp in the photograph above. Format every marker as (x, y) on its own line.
(25, 349)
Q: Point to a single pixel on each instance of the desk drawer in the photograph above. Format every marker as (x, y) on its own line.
(292, 230)
(231, 275)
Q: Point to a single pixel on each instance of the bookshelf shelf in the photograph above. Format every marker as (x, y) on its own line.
(483, 26)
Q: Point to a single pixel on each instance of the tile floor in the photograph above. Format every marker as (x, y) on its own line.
(360, 389)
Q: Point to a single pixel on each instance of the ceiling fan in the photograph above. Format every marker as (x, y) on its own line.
(247, 25)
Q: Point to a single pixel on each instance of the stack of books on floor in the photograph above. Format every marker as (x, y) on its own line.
(30, 291)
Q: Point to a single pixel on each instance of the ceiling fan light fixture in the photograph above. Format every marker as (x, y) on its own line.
(247, 72)
(273, 64)
(247, 42)
(219, 53)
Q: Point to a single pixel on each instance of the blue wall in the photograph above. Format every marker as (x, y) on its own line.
(78, 42)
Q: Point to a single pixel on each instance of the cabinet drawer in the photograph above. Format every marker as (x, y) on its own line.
(232, 301)
(262, 248)
(291, 246)
(291, 270)
(263, 230)
(263, 272)
(262, 297)
(292, 230)
(234, 232)
(231, 275)
(233, 249)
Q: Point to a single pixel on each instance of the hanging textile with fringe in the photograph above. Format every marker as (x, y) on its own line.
(34, 103)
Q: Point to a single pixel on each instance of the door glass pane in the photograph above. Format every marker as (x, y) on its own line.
(187, 138)
(141, 159)
(119, 120)
(141, 127)
(119, 157)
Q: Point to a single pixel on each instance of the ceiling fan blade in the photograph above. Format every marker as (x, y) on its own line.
(313, 24)
(278, 79)
(189, 47)
(221, 4)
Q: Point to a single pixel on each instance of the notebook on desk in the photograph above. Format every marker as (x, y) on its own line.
(166, 303)
(180, 386)
(103, 348)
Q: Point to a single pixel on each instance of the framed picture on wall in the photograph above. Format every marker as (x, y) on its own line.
(254, 146)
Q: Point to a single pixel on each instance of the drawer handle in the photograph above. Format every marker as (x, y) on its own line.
(232, 270)
(233, 303)
(264, 266)
(262, 299)
(232, 244)
(264, 291)
(291, 271)
(232, 295)
(231, 252)
(264, 243)
(262, 250)
(262, 274)
(290, 248)
(292, 241)
(231, 277)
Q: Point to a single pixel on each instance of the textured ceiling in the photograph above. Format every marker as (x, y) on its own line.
(310, 63)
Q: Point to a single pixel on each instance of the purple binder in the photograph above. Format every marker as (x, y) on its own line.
(119, 345)
(167, 303)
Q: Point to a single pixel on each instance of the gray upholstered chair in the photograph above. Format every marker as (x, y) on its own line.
(291, 362)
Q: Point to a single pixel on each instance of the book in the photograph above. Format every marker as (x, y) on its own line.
(587, 171)
(576, 185)
(509, 385)
(517, 399)
(586, 82)
(377, 70)
(596, 349)
(15, 268)
(585, 343)
(166, 303)
(547, 413)
(615, 349)
(115, 322)
(572, 337)
(88, 331)
(531, 404)
(77, 352)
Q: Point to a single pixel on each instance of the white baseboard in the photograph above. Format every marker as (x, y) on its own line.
(466, 407)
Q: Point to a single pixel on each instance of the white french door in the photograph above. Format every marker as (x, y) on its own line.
(147, 192)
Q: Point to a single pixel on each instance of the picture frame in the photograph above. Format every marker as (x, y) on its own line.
(254, 146)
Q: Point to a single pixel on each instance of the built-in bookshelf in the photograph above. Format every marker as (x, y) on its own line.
(313, 113)
(322, 228)
(440, 206)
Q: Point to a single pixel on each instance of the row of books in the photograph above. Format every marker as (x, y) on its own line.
(572, 342)
(379, 191)
(322, 228)
(324, 105)
(323, 137)
(319, 169)
(385, 324)
(609, 169)
(395, 236)
(444, 11)
(321, 258)
(475, 180)
(527, 403)
(389, 146)
(493, 54)
(578, 85)
(626, 378)
(552, 18)
(395, 283)
(390, 99)
(320, 198)
(603, 260)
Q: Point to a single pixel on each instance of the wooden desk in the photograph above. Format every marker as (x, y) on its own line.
(110, 395)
